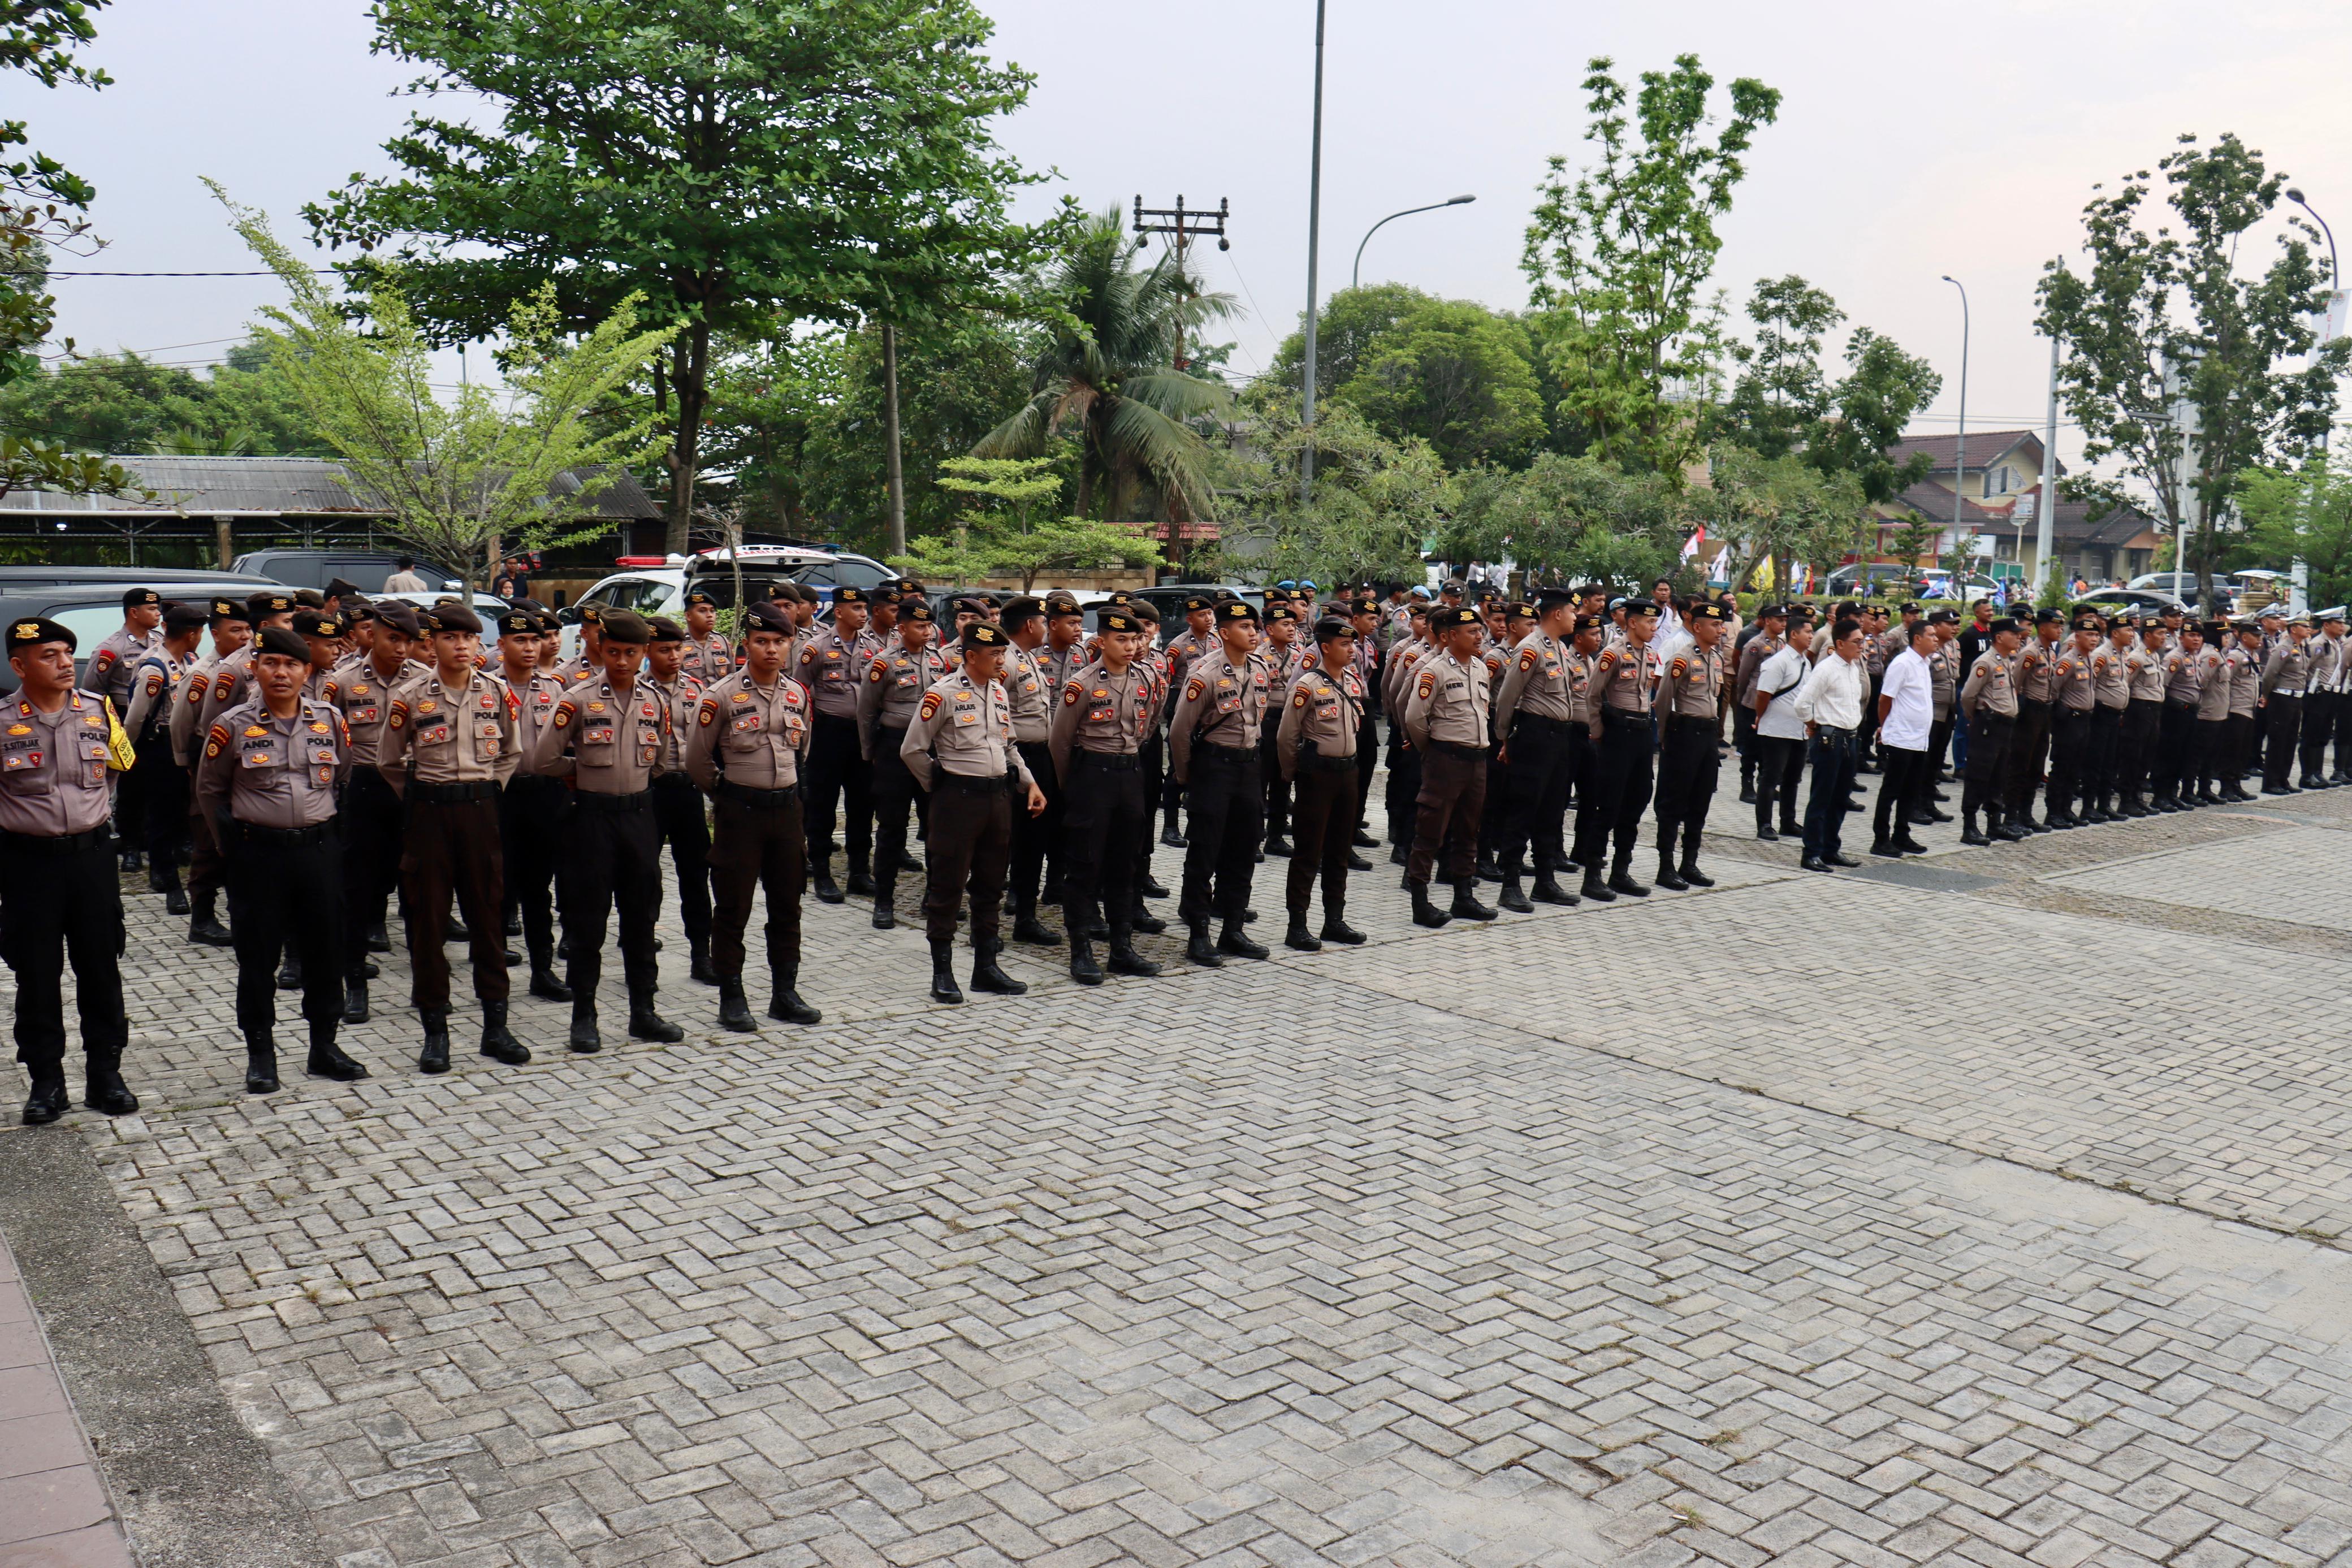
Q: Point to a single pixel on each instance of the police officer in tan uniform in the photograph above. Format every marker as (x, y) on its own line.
(745, 749)
(710, 657)
(1448, 721)
(1213, 748)
(1199, 637)
(1690, 701)
(1988, 704)
(1033, 692)
(897, 677)
(1619, 703)
(59, 899)
(531, 808)
(960, 747)
(1324, 724)
(1538, 726)
(267, 780)
(1107, 712)
(831, 667)
(164, 783)
(606, 736)
(678, 809)
(370, 816)
(448, 748)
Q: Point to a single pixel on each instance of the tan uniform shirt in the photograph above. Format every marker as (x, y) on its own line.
(434, 733)
(748, 734)
(963, 727)
(2213, 684)
(2245, 681)
(363, 695)
(830, 666)
(1111, 716)
(153, 685)
(1324, 716)
(605, 742)
(2110, 680)
(2288, 669)
(53, 779)
(708, 659)
(186, 738)
(1693, 684)
(1991, 685)
(1540, 681)
(1222, 703)
(1624, 679)
(1030, 693)
(896, 681)
(274, 773)
(2143, 674)
(1451, 704)
(1397, 675)
(114, 661)
(533, 700)
(232, 684)
(2036, 670)
(681, 696)
(2184, 677)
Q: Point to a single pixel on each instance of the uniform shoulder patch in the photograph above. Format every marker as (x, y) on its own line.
(877, 670)
(397, 714)
(563, 712)
(1193, 688)
(219, 736)
(931, 707)
(1428, 684)
(708, 713)
(1298, 697)
(1073, 693)
(1527, 661)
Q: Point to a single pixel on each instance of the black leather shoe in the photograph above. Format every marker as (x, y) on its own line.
(1972, 836)
(1335, 929)
(513, 926)
(1669, 878)
(1910, 846)
(1143, 920)
(1083, 967)
(1813, 863)
(378, 940)
(827, 891)
(134, 862)
(48, 1100)
(909, 863)
(260, 1067)
(1126, 960)
(1514, 898)
(1622, 881)
(327, 1060)
(1364, 840)
(355, 1001)
(585, 1037)
(943, 982)
(546, 986)
(1747, 794)
(860, 883)
(1764, 834)
(884, 917)
(1398, 854)
(1358, 862)
(1150, 887)
(1840, 858)
(1199, 949)
(784, 1004)
(1235, 942)
(1424, 913)
(1300, 938)
(204, 922)
(1884, 849)
(1278, 844)
(434, 1057)
(104, 1092)
(1690, 873)
(457, 932)
(498, 1042)
(1036, 932)
(175, 900)
(646, 1024)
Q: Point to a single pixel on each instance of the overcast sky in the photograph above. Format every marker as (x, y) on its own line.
(1912, 140)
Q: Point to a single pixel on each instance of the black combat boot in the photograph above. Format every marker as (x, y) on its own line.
(1621, 879)
(1233, 940)
(327, 1058)
(861, 878)
(734, 1011)
(784, 1004)
(1466, 902)
(1667, 877)
(1336, 927)
(1141, 919)
(50, 1099)
(585, 1037)
(885, 913)
(545, 985)
(162, 876)
(1594, 887)
(697, 964)
(175, 900)
(103, 1090)
(987, 975)
(434, 1057)
(498, 1042)
(1424, 913)
(645, 1023)
(821, 881)
(260, 1063)
(355, 1001)
(132, 861)
(1125, 959)
(1169, 835)
(1514, 897)
(1298, 936)
(290, 972)
(1688, 871)
(1083, 967)
(1028, 927)
(1547, 889)
(1277, 842)
(943, 980)
(377, 939)
(203, 921)
(1199, 947)
(1970, 835)
(2003, 825)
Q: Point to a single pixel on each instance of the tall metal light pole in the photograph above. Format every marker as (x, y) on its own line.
(1314, 230)
(2045, 521)
(2335, 273)
(1356, 273)
(1960, 447)
(2335, 285)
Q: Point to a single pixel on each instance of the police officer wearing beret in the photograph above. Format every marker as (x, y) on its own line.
(272, 768)
(831, 667)
(1107, 712)
(897, 677)
(1212, 739)
(1620, 701)
(606, 736)
(448, 746)
(59, 899)
(164, 783)
(370, 816)
(746, 747)
(1690, 717)
(1324, 727)
(232, 631)
(112, 666)
(1448, 720)
(531, 808)
(709, 656)
(679, 808)
(959, 749)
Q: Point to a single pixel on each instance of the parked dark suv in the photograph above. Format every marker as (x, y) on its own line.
(363, 570)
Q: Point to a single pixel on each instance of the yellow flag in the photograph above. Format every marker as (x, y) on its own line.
(120, 753)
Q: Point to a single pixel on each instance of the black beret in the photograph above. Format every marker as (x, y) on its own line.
(1331, 626)
(1772, 613)
(2216, 628)
(316, 624)
(1061, 604)
(2003, 623)
(229, 609)
(1280, 611)
(1362, 606)
(665, 630)
(138, 597)
(1591, 624)
(1234, 612)
(1707, 610)
(1452, 618)
(970, 607)
(401, 616)
(518, 623)
(591, 615)
(849, 596)
(916, 609)
(1118, 620)
(1519, 609)
(451, 616)
(1552, 598)
(1908, 607)
(183, 617)
(1194, 602)
(279, 639)
(627, 628)
(2047, 614)
(339, 588)
(274, 602)
(1143, 609)
(309, 598)
(1023, 605)
(1942, 617)
(36, 630)
(984, 634)
(761, 617)
(1641, 607)
(699, 597)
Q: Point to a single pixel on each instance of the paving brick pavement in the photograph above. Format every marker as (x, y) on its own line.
(1449, 1251)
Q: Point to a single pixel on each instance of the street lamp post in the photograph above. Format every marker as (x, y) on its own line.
(1314, 224)
(2335, 273)
(1960, 447)
(2334, 284)
(1356, 273)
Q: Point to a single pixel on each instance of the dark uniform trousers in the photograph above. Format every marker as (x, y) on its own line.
(60, 903)
(1226, 824)
(612, 856)
(1543, 767)
(2070, 775)
(1106, 816)
(679, 815)
(1327, 821)
(894, 790)
(2176, 764)
(2104, 740)
(758, 842)
(1036, 840)
(1277, 788)
(1743, 741)
(1866, 737)
(1368, 762)
(2245, 743)
(837, 777)
(1403, 794)
(452, 845)
(2319, 729)
(167, 788)
(1622, 778)
(1987, 773)
(205, 867)
(1898, 789)
(531, 826)
(1452, 801)
(2029, 749)
(1780, 765)
(2143, 724)
(1687, 766)
(971, 848)
(2210, 745)
(2343, 730)
(2284, 729)
(370, 816)
(131, 804)
(1154, 752)
(285, 891)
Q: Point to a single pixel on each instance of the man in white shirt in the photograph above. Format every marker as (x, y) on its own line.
(405, 578)
(1780, 734)
(1906, 711)
(1831, 705)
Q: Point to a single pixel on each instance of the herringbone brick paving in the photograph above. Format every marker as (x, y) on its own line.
(1468, 1247)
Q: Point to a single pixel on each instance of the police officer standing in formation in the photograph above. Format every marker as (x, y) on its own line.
(532, 807)
(959, 749)
(1620, 701)
(1542, 729)
(678, 812)
(111, 673)
(1036, 840)
(1105, 710)
(1989, 702)
(360, 689)
(164, 783)
(1324, 728)
(831, 667)
(1448, 721)
(745, 749)
(1690, 702)
(1212, 747)
(60, 900)
(897, 678)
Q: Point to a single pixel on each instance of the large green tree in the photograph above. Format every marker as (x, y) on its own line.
(1620, 254)
(736, 165)
(1456, 375)
(2304, 514)
(2163, 322)
(1572, 518)
(1376, 501)
(1782, 393)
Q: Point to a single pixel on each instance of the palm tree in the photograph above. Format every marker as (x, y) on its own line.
(1109, 371)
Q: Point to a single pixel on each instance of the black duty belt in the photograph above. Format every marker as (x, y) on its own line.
(1236, 754)
(1691, 718)
(452, 794)
(756, 799)
(592, 800)
(1315, 762)
(2190, 704)
(1539, 720)
(63, 844)
(1624, 718)
(972, 784)
(1116, 761)
(279, 838)
(1454, 748)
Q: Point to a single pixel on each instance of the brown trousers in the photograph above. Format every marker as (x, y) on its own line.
(756, 847)
(971, 845)
(1324, 836)
(1453, 798)
(454, 846)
